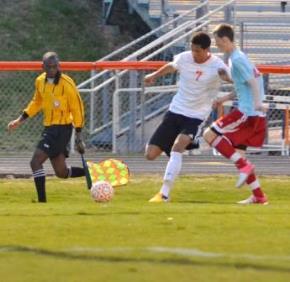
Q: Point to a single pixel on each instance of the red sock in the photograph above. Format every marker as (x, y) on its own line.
(227, 150)
(241, 163)
(251, 178)
(224, 147)
(257, 192)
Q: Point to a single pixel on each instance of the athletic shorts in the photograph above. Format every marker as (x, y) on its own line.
(171, 126)
(55, 140)
(241, 130)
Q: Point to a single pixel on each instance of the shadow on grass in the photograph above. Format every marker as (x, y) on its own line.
(67, 255)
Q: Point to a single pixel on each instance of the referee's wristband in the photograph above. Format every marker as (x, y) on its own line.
(24, 116)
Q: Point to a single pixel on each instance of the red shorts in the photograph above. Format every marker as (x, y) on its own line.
(241, 130)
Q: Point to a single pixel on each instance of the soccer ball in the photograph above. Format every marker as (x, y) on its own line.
(102, 191)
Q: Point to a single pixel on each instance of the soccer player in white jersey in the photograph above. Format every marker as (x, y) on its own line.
(245, 126)
(198, 86)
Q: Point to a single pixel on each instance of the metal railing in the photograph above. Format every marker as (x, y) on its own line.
(165, 42)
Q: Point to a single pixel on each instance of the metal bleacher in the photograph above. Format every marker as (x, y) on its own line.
(256, 35)
(172, 24)
(262, 29)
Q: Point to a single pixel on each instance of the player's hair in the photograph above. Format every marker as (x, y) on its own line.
(50, 55)
(202, 39)
(225, 30)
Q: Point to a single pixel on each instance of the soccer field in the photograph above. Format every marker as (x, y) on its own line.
(201, 235)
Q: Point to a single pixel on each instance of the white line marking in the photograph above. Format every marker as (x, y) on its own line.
(179, 251)
(187, 252)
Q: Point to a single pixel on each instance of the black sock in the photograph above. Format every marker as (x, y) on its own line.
(76, 172)
(39, 180)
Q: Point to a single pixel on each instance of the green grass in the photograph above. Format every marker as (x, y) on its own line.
(201, 235)
(72, 28)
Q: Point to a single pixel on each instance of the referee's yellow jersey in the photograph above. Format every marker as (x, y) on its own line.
(61, 103)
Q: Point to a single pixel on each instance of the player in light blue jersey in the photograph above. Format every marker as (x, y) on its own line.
(242, 71)
(245, 126)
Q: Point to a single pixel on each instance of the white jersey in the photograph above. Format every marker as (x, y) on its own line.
(198, 85)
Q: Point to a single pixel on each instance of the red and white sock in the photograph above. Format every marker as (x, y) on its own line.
(224, 146)
(255, 186)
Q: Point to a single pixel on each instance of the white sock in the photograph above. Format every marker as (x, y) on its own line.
(254, 185)
(235, 157)
(172, 170)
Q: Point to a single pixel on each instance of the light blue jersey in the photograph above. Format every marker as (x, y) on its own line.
(242, 70)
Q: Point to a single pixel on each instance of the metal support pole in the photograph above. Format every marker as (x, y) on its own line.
(266, 85)
(201, 11)
(242, 27)
(105, 101)
(164, 14)
(133, 111)
(228, 14)
(163, 7)
(142, 111)
(92, 104)
(286, 130)
(116, 114)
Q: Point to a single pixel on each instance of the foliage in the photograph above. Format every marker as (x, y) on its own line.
(71, 28)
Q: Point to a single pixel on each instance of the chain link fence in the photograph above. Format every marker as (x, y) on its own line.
(16, 91)
(122, 117)
(136, 111)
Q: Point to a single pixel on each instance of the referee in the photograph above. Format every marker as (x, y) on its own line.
(57, 97)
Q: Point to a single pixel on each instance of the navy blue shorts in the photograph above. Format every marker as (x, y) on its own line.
(55, 140)
(171, 126)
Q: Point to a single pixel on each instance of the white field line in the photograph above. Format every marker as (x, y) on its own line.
(186, 252)
(178, 251)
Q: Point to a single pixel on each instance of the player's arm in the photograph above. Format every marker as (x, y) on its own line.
(224, 72)
(224, 75)
(166, 69)
(17, 122)
(258, 103)
(220, 100)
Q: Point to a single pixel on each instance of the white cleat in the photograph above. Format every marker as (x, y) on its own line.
(254, 200)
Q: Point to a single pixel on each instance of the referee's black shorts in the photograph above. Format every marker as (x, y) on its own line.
(171, 126)
(55, 140)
